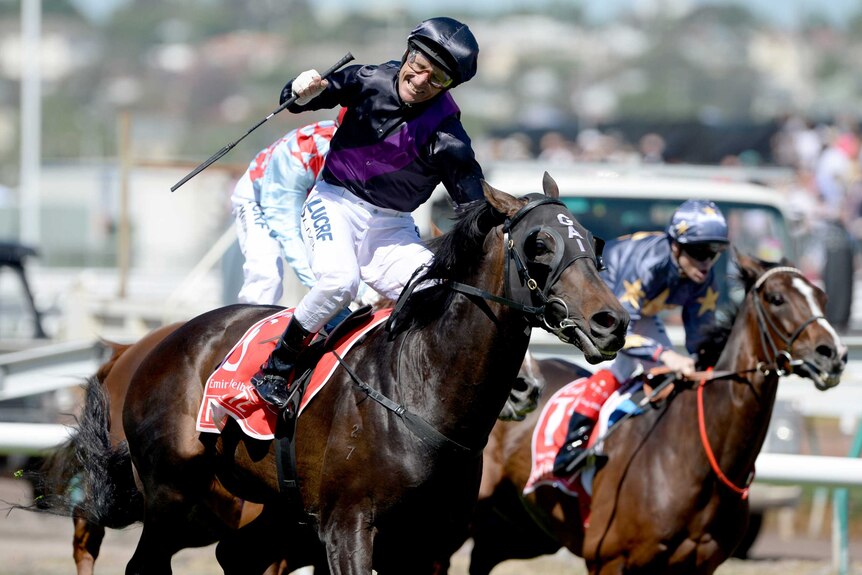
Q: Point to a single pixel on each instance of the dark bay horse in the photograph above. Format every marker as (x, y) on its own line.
(378, 490)
(658, 504)
(107, 389)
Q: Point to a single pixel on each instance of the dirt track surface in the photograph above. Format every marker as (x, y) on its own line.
(38, 544)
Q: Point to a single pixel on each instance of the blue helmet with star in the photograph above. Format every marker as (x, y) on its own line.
(698, 222)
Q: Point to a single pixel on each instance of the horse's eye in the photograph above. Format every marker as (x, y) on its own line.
(540, 248)
(775, 298)
(536, 247)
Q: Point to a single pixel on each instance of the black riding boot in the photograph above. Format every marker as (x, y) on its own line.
(273, 381)
(577, 437)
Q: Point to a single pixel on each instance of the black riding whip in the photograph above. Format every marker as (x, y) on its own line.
(344, 60)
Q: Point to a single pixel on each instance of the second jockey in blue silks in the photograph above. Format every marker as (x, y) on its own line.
(650, 272)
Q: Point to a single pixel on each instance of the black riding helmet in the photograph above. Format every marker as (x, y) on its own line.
(449, 44)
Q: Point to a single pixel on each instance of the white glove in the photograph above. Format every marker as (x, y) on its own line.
(307, 86)
(676, 362)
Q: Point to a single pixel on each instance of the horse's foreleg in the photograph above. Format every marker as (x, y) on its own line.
(86, 543)
(616, 566)
(151, 555)
(171, 523)
(349, 544)
(279, 547)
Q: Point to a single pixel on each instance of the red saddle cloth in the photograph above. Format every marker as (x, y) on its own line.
(549, 435)
(229, 393)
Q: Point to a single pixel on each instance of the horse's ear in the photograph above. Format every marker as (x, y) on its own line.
(749, 268)
(501, 201)
(552, 190)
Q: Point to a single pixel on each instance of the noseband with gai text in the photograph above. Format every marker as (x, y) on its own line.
(522, 291)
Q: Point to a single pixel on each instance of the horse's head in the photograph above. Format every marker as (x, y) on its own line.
(552, 266)
(794, 331)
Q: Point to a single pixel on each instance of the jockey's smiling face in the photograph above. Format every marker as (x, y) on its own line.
(419, 80)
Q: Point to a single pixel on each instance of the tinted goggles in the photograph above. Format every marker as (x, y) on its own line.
(420, 65)
(703, 252)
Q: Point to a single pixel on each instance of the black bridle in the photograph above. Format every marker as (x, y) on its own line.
(522, 291)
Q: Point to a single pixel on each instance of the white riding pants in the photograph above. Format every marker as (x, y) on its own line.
(263, 269)
(349, 240)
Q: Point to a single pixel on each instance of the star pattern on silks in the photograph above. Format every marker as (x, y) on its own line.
(707, 302)
(682, 227)
(634, 293)
(657, 304)
(709, 210)
(634, 340)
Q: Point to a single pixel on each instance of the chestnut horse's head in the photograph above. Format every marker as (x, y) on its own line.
(795, 334)
(552, 264)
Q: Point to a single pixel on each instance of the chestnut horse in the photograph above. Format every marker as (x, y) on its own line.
(380, 488)
(658, 504)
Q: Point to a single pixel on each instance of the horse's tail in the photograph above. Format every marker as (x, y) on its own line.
(87, 476)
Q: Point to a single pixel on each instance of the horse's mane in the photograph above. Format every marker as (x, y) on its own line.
(715, 336)
(457, 255)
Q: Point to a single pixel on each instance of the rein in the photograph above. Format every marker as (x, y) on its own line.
(710, 455)
(421, 428)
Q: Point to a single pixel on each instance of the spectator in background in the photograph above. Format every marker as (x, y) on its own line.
(652, 147)
(555, 149)
(836, 175)
(514, 147)
(836, 168)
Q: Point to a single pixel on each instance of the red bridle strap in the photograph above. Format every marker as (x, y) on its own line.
(701, 420)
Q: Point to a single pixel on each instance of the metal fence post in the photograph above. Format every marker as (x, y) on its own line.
(841, 535)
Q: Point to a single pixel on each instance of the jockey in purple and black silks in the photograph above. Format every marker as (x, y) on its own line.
(400, 138)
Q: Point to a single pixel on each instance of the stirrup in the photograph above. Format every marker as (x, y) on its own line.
(569, 460)
(584, 458)
(274, 389)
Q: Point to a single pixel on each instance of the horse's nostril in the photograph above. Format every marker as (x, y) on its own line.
(520, 384)
(826, 351)
(605, 320)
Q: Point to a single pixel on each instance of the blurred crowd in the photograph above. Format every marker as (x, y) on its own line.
(825, 198)
(590, 145)
(823, 185)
